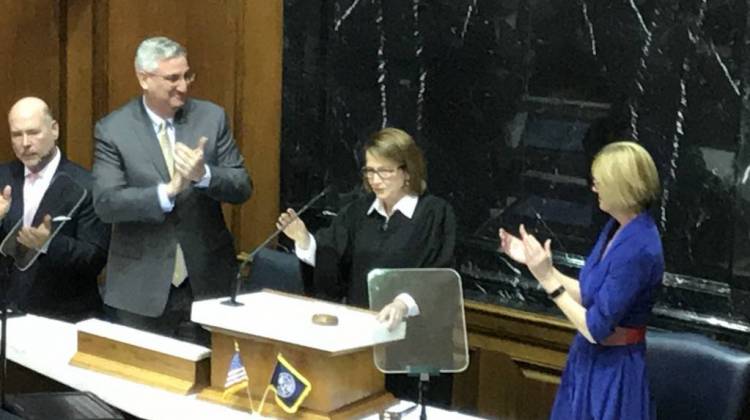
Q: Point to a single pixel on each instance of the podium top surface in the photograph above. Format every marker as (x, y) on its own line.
(288, 318)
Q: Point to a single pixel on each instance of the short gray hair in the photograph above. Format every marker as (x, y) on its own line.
(153, 50)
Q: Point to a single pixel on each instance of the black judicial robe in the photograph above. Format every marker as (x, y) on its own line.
(356, 243)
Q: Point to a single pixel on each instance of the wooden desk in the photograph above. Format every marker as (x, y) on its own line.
(516, 361)
(45, 346)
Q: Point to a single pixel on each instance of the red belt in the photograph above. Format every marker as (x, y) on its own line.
(624, 336)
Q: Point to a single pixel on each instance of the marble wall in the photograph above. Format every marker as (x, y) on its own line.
(510, 99)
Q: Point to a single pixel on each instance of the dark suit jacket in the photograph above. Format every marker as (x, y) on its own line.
(128, 166)
(61, 283)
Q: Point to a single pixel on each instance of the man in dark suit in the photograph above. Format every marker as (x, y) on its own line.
(163, 165)
(62, 282)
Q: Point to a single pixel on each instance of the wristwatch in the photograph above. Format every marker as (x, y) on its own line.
(557, 292)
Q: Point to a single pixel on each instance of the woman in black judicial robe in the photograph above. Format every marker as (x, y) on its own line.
(360, 240)
(398, 225)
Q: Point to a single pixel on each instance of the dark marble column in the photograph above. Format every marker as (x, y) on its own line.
(510, 100)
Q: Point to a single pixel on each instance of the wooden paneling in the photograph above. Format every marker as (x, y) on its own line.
(207, 29)
(77, 113)
(516, 361)
(100, 60)
(259, 114)
(128, 23)
(29, 57)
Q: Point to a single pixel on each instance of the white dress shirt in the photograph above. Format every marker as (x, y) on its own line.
(406, 205)
(35, 185)
(165, 202)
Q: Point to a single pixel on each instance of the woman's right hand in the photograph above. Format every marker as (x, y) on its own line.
(294, 228)
(526, 249)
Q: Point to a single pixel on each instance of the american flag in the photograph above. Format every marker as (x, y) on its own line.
(236, 374)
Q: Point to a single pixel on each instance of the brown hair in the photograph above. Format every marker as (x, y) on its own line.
(398, 146)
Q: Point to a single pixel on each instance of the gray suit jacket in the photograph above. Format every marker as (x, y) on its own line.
(128, 166)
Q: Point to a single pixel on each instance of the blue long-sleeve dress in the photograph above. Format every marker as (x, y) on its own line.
(617, 289)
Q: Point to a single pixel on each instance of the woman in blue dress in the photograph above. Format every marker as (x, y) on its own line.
(605, 375)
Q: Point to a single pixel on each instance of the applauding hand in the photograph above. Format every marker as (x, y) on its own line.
(35, 237)
(527, 250)
(5, 201)
(190, 162)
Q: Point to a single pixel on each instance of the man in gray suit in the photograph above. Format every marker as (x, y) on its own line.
(163, 164)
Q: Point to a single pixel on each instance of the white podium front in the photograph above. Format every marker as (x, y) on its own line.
(336, 359)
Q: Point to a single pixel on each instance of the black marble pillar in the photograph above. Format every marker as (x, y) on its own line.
(510, 100)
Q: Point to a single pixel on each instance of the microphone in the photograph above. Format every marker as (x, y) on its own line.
(249, 259)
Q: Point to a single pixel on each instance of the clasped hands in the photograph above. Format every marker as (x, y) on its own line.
(28, 236)
(526, 249)
(189, 166)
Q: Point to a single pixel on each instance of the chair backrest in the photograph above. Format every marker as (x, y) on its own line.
(276, 270)
(694, 377)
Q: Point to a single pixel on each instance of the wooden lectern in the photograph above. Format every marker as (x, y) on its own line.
(141, 356)
(336, 359)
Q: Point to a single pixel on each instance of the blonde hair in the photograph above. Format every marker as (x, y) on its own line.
(398, 146)
(626, 174)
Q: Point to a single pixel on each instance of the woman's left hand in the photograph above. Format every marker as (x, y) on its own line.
(392, 314)
(538, 257)
(512, 246)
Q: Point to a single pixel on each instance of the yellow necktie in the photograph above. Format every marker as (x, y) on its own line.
(180, 270)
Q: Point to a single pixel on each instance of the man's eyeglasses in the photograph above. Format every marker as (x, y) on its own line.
(383, 173)
(174, 79)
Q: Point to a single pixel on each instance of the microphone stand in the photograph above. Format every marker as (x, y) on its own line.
(423, 381)
(8, 258)
(249, 259)
(5, 266)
